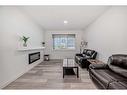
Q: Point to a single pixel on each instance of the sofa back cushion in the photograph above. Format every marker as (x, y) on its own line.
(118, 60)
(88, 53)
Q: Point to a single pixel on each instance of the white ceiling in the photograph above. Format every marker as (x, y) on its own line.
(52, 17)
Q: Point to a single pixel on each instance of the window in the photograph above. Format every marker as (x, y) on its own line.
(63, 41)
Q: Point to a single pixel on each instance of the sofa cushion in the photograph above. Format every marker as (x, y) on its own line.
(124, 83)
(117, 85)
(104, 76)
(118, 70)
(86, 56)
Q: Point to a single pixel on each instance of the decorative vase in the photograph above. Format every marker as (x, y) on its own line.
(43, 44)
(24, 44)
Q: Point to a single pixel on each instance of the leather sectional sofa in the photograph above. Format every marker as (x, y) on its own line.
(112, 75)
(81, 58)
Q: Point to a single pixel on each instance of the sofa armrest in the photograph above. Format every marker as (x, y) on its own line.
(78, 54)
(94, 55)
(98, 66)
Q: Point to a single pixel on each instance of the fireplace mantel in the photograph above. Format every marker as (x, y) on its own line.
(30, 48)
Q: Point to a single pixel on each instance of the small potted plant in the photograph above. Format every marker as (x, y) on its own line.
(25, 39)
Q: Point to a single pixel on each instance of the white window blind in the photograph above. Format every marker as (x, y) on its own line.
(63, 41)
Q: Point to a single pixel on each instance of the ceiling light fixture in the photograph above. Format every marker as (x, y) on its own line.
(65, 21)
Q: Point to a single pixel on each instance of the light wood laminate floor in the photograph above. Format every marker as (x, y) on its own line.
(48, 75)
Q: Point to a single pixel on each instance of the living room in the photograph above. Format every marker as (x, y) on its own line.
(48, 30)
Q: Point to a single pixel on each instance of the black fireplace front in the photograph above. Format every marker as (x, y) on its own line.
(34, 57)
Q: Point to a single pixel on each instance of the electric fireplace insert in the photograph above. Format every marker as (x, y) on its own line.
(34, 57)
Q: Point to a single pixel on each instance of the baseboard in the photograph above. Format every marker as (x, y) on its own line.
(19, 75)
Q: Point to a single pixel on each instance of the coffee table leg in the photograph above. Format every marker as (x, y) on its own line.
(77, 73)
(63, 72)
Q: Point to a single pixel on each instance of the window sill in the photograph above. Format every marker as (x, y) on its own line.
(64, 49)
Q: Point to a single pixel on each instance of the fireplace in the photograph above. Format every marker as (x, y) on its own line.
(34, 57)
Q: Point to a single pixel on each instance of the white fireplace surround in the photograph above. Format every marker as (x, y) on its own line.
(30, 48)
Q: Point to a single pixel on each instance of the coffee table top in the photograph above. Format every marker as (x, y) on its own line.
(69, 62)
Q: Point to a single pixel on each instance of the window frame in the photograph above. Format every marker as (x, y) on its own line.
(63, 48)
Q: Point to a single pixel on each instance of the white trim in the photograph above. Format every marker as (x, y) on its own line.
(64, 49)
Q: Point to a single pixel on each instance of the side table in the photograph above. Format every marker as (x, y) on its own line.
(93, 61)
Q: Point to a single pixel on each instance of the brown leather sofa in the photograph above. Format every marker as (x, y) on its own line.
(81, 58)
(112, 75)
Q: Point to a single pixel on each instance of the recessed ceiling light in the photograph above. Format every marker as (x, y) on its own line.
(65, 21)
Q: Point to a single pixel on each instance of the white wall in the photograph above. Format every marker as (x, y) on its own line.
(107, 35)
(13, 24)
(60, 54)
